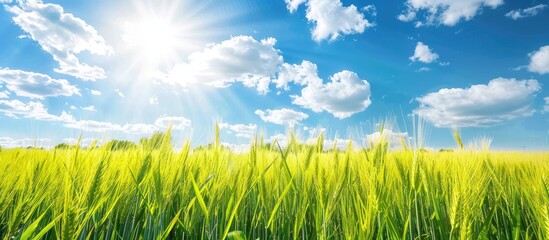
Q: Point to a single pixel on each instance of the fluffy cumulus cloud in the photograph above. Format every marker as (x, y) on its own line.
(284, 116)
(31, 110)
(424, 54)
(539, 60)
(239, 59)
(292, 5)
(479, 105)
(62, 35)
(446, 12)
(301, 74)
(35, 85)
(240, 130)
(177, 123)
(345, 95)
(331, 19)
(257, 64)
(527, 12)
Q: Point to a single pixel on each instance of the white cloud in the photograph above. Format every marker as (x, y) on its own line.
(345, 95)
(73, 107)
(314, 131)
(423, 69)
(92, 126)
(292, 5)
(387, 135)
(546, 107)
(84, 142)
(37, 111)
(237, 148)
(338, 143)
(446, 12)
(4, 94)
(95, 92)
(423, 54)
(62, 35)
(301, 74)
(153, 100)
(258, 63)
(98, 126)
(282, 116)
(328, 144)
(240, 130)
(8, 142)
(479, 105)
(35, 85)
(31, 110)
(539, 60)
(407, 17)
(138, 129)
(239, 59)
(177, 123)
(89, 108)
(331, 18)
(280, 138)
(120, 94)
(528, 12)
(370, 9)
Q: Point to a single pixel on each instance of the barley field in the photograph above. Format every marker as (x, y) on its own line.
(294, 192)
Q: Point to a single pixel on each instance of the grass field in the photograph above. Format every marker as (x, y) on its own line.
(296, 192)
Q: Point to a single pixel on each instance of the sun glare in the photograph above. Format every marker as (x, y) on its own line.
(153, 38)
(156, 35)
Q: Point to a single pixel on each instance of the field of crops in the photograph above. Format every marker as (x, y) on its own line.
(295, 192)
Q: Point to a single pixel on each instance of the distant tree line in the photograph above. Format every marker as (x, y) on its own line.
(156, 141)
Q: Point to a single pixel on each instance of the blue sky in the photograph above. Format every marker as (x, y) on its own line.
(126, 69)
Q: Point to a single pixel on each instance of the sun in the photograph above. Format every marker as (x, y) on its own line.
(151, 37)
(155, 39)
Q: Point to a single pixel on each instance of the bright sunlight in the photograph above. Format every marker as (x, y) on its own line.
(153, 38)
